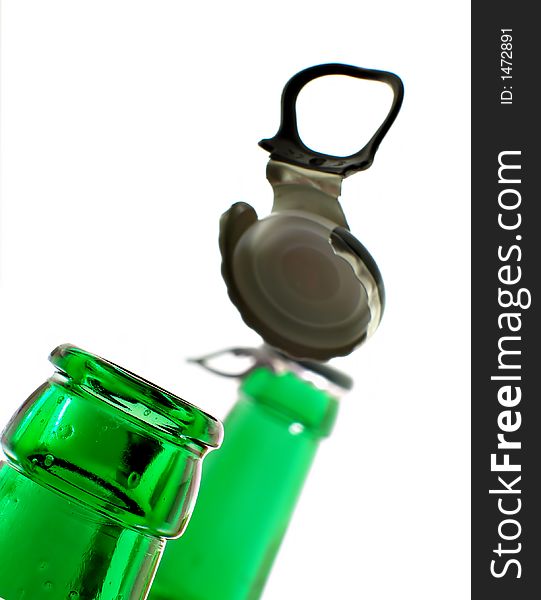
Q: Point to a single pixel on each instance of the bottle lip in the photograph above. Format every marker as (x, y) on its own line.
(137, 396)
(321, 375)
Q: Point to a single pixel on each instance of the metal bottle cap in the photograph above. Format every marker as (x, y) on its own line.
(299, 277)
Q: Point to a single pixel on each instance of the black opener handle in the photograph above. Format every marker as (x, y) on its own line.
(287, 145)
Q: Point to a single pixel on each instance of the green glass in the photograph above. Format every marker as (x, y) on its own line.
(249, 491)
(102, 466)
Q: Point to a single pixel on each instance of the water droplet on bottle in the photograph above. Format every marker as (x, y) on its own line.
(43, 565)
(49, 460)
(147, 412)
(133, 480)
(65, 431)
(296, 428)
(48, 585)
(60, 399)
(73, 595)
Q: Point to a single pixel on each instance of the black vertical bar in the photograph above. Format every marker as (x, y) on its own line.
(506, 252)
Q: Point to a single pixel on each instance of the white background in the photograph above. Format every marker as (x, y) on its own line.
(129, 127)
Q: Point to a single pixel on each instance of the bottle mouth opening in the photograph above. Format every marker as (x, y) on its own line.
(137, 397)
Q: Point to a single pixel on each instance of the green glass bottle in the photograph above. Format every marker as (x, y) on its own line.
(251, 485)
(102, 466)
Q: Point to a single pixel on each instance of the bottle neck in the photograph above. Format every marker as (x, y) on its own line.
(49, 547)
(292, 397)
(68, 440)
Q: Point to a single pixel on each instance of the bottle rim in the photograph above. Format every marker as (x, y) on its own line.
(137, 396)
